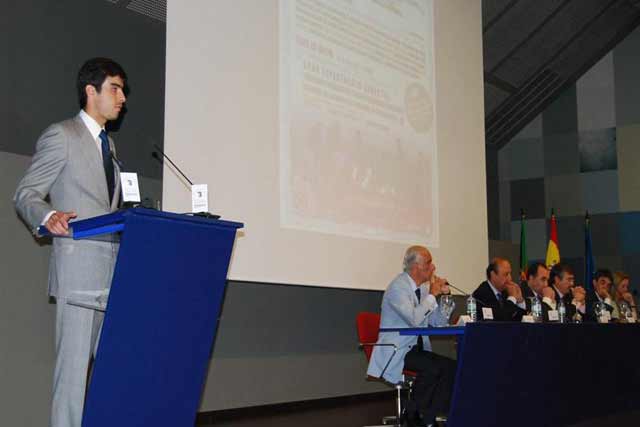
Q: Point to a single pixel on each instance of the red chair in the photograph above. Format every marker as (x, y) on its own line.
(368, 328)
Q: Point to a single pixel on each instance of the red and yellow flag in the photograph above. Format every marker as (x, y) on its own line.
(553, 250)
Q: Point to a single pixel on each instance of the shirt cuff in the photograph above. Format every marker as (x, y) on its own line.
(551, 303)
(47, 216)
(522, 304)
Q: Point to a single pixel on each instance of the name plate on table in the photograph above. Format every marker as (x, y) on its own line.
(130, 188)
(199, 198)
(487, 313)
(528, 319)
(553, 315)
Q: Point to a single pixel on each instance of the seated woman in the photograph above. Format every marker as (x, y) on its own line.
(622, 296)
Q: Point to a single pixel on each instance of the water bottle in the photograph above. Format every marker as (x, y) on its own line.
(471, 308)
(562, 312)
(536, 310)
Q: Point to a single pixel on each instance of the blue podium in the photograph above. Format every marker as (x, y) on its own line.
(161, 318)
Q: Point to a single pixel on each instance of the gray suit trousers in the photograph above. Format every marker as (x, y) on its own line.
(77, 329)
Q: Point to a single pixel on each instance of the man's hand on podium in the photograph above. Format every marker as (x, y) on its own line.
(58, 222)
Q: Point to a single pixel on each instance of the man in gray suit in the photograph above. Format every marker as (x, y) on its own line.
(410, 302)
(73, 175)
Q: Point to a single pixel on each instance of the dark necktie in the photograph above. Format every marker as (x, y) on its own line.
(500, 299)
(420, 343)
(107, 163)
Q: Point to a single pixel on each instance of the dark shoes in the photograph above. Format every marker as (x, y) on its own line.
(417, 421)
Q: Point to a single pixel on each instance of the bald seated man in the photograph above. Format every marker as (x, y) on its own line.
(409, 302)
(499, 295)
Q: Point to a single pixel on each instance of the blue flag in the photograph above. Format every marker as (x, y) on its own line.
(589, 265)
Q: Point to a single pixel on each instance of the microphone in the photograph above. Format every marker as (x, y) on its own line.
(157, 157)
(457, 289)
(466, 294)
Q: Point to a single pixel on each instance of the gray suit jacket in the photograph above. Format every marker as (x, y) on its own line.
(401, 309)
(67, 167)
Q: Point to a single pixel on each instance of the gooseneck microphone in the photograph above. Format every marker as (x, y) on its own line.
(156, 156)
(466, 294)
(457, 289)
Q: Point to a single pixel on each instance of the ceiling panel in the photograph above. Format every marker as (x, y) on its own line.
(546, 43)
(492, 9)
(515, 28)
(533, 49)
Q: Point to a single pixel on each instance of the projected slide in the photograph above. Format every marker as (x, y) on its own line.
(357, 119)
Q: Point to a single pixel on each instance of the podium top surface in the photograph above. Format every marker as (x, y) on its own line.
(114, 222)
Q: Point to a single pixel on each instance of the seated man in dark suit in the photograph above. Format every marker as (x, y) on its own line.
(500, 294)
(562, 281)
(537, 285)
(601, 292)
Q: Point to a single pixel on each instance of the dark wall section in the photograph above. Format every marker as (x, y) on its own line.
(493, 195)
(285, 319)
(580, 155)
(284, 343)
(45, 45)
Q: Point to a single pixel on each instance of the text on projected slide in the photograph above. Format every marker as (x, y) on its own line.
(357, 119)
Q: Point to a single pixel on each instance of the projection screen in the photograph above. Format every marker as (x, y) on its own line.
(339, 132)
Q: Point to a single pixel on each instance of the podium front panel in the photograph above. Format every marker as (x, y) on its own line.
(160, 323)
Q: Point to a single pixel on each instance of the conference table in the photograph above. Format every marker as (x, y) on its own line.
(541, 374)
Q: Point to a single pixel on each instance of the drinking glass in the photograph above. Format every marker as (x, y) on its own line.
(625, 311)
(446, 306)
(598, 308)
(536, 309)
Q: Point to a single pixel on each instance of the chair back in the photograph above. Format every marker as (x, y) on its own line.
(368, 327)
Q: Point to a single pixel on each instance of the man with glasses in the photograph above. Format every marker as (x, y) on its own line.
(562, 281)
(601, 293)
